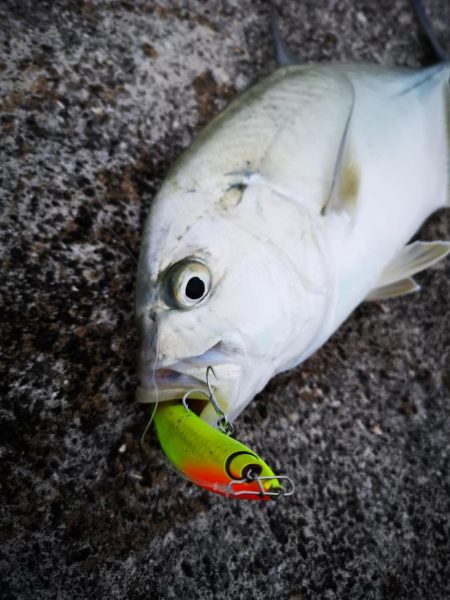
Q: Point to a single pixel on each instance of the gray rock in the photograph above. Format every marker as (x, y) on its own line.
(97, 100)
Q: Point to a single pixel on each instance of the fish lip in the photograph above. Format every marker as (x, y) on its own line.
(179, 374)
(171, 382)
(170, 376)
(168, 384)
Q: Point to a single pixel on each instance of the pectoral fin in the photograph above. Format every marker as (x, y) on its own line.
(396, 279)
(344, 187)
(309, 156)
(345, 181)
(393, 290)
(414, 258)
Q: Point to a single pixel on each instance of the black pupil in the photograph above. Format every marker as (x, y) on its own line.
(195, 288)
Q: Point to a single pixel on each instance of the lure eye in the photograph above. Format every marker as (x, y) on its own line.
(187, 283)
(242, 465)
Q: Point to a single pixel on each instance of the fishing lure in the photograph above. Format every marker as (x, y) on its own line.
(213, 460)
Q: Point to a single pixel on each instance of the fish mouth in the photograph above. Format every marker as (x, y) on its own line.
(170, 384)
(173, 382)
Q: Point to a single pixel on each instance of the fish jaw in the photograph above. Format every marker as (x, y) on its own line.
(233, 385)
(162, 381)
(168, 384)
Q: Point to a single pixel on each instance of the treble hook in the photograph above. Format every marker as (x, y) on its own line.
(194, 391)
(210, 389)
(223, 423)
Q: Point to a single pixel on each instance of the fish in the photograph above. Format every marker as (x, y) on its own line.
(294, 205)
(211, 459)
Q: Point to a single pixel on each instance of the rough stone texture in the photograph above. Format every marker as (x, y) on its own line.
(97, 100)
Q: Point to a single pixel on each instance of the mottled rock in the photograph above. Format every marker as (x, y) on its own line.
(97, 99)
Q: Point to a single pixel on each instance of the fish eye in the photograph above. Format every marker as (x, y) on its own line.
(187, 283)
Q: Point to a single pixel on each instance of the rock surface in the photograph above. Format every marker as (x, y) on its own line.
(97, 100)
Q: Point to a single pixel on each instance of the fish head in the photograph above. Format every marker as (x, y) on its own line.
(215, 288)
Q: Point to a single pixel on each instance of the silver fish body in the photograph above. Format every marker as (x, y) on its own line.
(288, 210)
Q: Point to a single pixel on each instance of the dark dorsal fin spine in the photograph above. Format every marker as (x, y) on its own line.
(428, 30)
(283, 56)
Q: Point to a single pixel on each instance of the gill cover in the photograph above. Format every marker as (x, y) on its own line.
(211, 459)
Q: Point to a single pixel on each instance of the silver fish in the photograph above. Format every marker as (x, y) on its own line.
(291, 208)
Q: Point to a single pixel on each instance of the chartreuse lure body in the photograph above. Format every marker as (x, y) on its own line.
(211, 459)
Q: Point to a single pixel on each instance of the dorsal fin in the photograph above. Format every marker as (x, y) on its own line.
(283, 56)
(396, 279)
